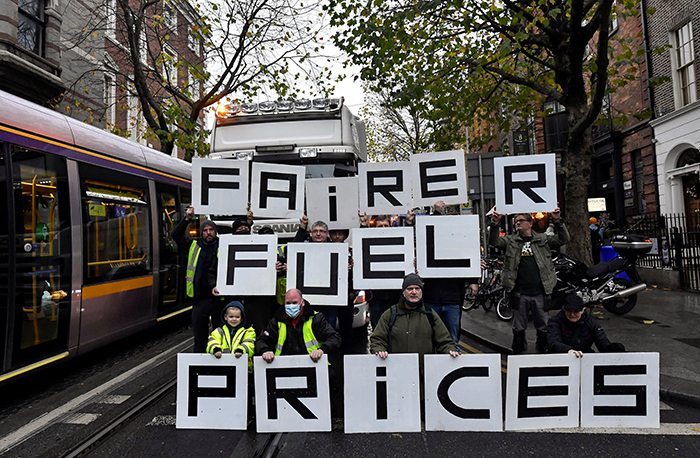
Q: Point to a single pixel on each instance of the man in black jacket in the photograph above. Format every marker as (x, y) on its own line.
(202, 255)
(574, 331)
(297, 329)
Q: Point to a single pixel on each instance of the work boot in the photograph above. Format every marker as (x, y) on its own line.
(541, 344)
(519, 342)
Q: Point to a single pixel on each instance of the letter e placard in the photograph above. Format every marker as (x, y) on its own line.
(382, 257)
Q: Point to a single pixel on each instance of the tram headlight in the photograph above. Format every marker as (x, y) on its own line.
(307, 152)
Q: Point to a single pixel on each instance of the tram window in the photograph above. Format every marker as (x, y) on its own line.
(117, 227)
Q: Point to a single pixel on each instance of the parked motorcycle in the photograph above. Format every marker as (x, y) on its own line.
(600, 284)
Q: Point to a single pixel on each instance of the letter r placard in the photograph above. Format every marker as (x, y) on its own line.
(526, 184)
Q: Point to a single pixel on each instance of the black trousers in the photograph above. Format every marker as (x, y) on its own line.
(203, 310)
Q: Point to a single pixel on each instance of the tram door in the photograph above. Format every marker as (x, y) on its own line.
(172, 258)
(36, 256)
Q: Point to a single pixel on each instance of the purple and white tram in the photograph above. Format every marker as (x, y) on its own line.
(86, 256)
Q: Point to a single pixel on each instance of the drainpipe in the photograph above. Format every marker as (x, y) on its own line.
(650, 96)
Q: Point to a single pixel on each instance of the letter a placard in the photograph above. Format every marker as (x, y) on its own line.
(219, 187)
(525, 184)
(277, 191)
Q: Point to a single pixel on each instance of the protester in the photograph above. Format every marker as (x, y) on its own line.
(445, 295)
(297, 329)
(596, 239)
(408, 327)
(233, 337)
(528, 273)
(573, 330)
(203, 253)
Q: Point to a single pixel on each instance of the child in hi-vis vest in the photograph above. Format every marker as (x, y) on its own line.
(234, 337)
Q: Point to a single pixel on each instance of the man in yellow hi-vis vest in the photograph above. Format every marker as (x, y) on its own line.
(201, 255)
(297, 329)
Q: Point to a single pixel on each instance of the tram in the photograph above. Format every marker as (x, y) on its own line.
(86, 256)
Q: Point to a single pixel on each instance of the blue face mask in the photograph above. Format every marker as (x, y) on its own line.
(292, 310)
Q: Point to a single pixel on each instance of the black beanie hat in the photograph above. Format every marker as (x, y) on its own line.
(208, 222)
(239, 222)
(412, 280)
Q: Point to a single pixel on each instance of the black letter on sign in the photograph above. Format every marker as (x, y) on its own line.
(425, 180)
(386, 189)
(291, 395)
(368, 259)
(382, 409)
(207, 184)
(524, 391)
(332, 290)
(233, 262)
(432, 262)
(447, 382)
(195, 392)
(639, 391)
(332, 204)
(524, 186)
(265, 192)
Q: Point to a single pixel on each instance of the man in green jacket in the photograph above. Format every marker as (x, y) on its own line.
(408, 327)
(528, 273)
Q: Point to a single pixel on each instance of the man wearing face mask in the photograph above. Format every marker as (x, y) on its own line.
(408, 327)
(296, 329)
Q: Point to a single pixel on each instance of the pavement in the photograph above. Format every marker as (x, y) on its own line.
(663, 321)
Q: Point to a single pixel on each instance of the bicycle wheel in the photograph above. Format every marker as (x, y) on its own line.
(470, 301)
(488, 302)
(503, 309)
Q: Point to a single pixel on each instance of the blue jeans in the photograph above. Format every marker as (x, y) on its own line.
(450, 315)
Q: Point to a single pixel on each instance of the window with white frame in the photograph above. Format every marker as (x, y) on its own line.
(192, 40)
(169, 66)
(110, 99)
(170, 15)
(193, 86)
(31, 25)
(686, 91)
(111, 16)
(135, 122)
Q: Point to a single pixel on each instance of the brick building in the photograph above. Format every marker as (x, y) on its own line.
(677, 109)
(74, 56)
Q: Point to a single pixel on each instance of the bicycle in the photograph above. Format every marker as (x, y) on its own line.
(490, 290)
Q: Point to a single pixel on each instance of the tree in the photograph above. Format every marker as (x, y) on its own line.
(243, 49)
(395, 133)
(479, 57)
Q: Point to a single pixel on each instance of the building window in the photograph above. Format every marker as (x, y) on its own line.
(639, 182)
(169, 66)
(193, 84)
(169, 16)
(30, 25)
(193, 41)
(556, 127)
(110, 99)
(685, 65)
(111, 15)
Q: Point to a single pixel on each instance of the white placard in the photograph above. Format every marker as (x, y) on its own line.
(596, 204)
(448, 246)
(439, 176)
(463, 393)
(220, 187)
(334, 201)
(385, 187)
(247, 265)
(382, 395)
(542, 391)
(211, 393)
(319, 271)
(620, 390)
(292, 394)
(382, 257)
(525, 184)
(277, 191)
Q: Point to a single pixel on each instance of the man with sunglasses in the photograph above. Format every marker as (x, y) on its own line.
(528, 273)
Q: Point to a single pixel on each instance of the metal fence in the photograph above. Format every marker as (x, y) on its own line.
(677, 245)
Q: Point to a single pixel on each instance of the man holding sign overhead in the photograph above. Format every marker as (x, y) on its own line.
(528, 273)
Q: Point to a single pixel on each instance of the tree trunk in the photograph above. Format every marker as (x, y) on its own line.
(578, 177)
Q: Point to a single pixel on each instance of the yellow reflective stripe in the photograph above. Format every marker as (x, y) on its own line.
(281, 338)
(309, 337)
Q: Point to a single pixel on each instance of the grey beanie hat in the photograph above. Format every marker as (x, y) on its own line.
(208, 222)
(412, 280)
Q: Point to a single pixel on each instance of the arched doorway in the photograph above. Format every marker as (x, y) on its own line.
(691, 181)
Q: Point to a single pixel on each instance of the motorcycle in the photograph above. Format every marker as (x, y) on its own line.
(603, 283)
